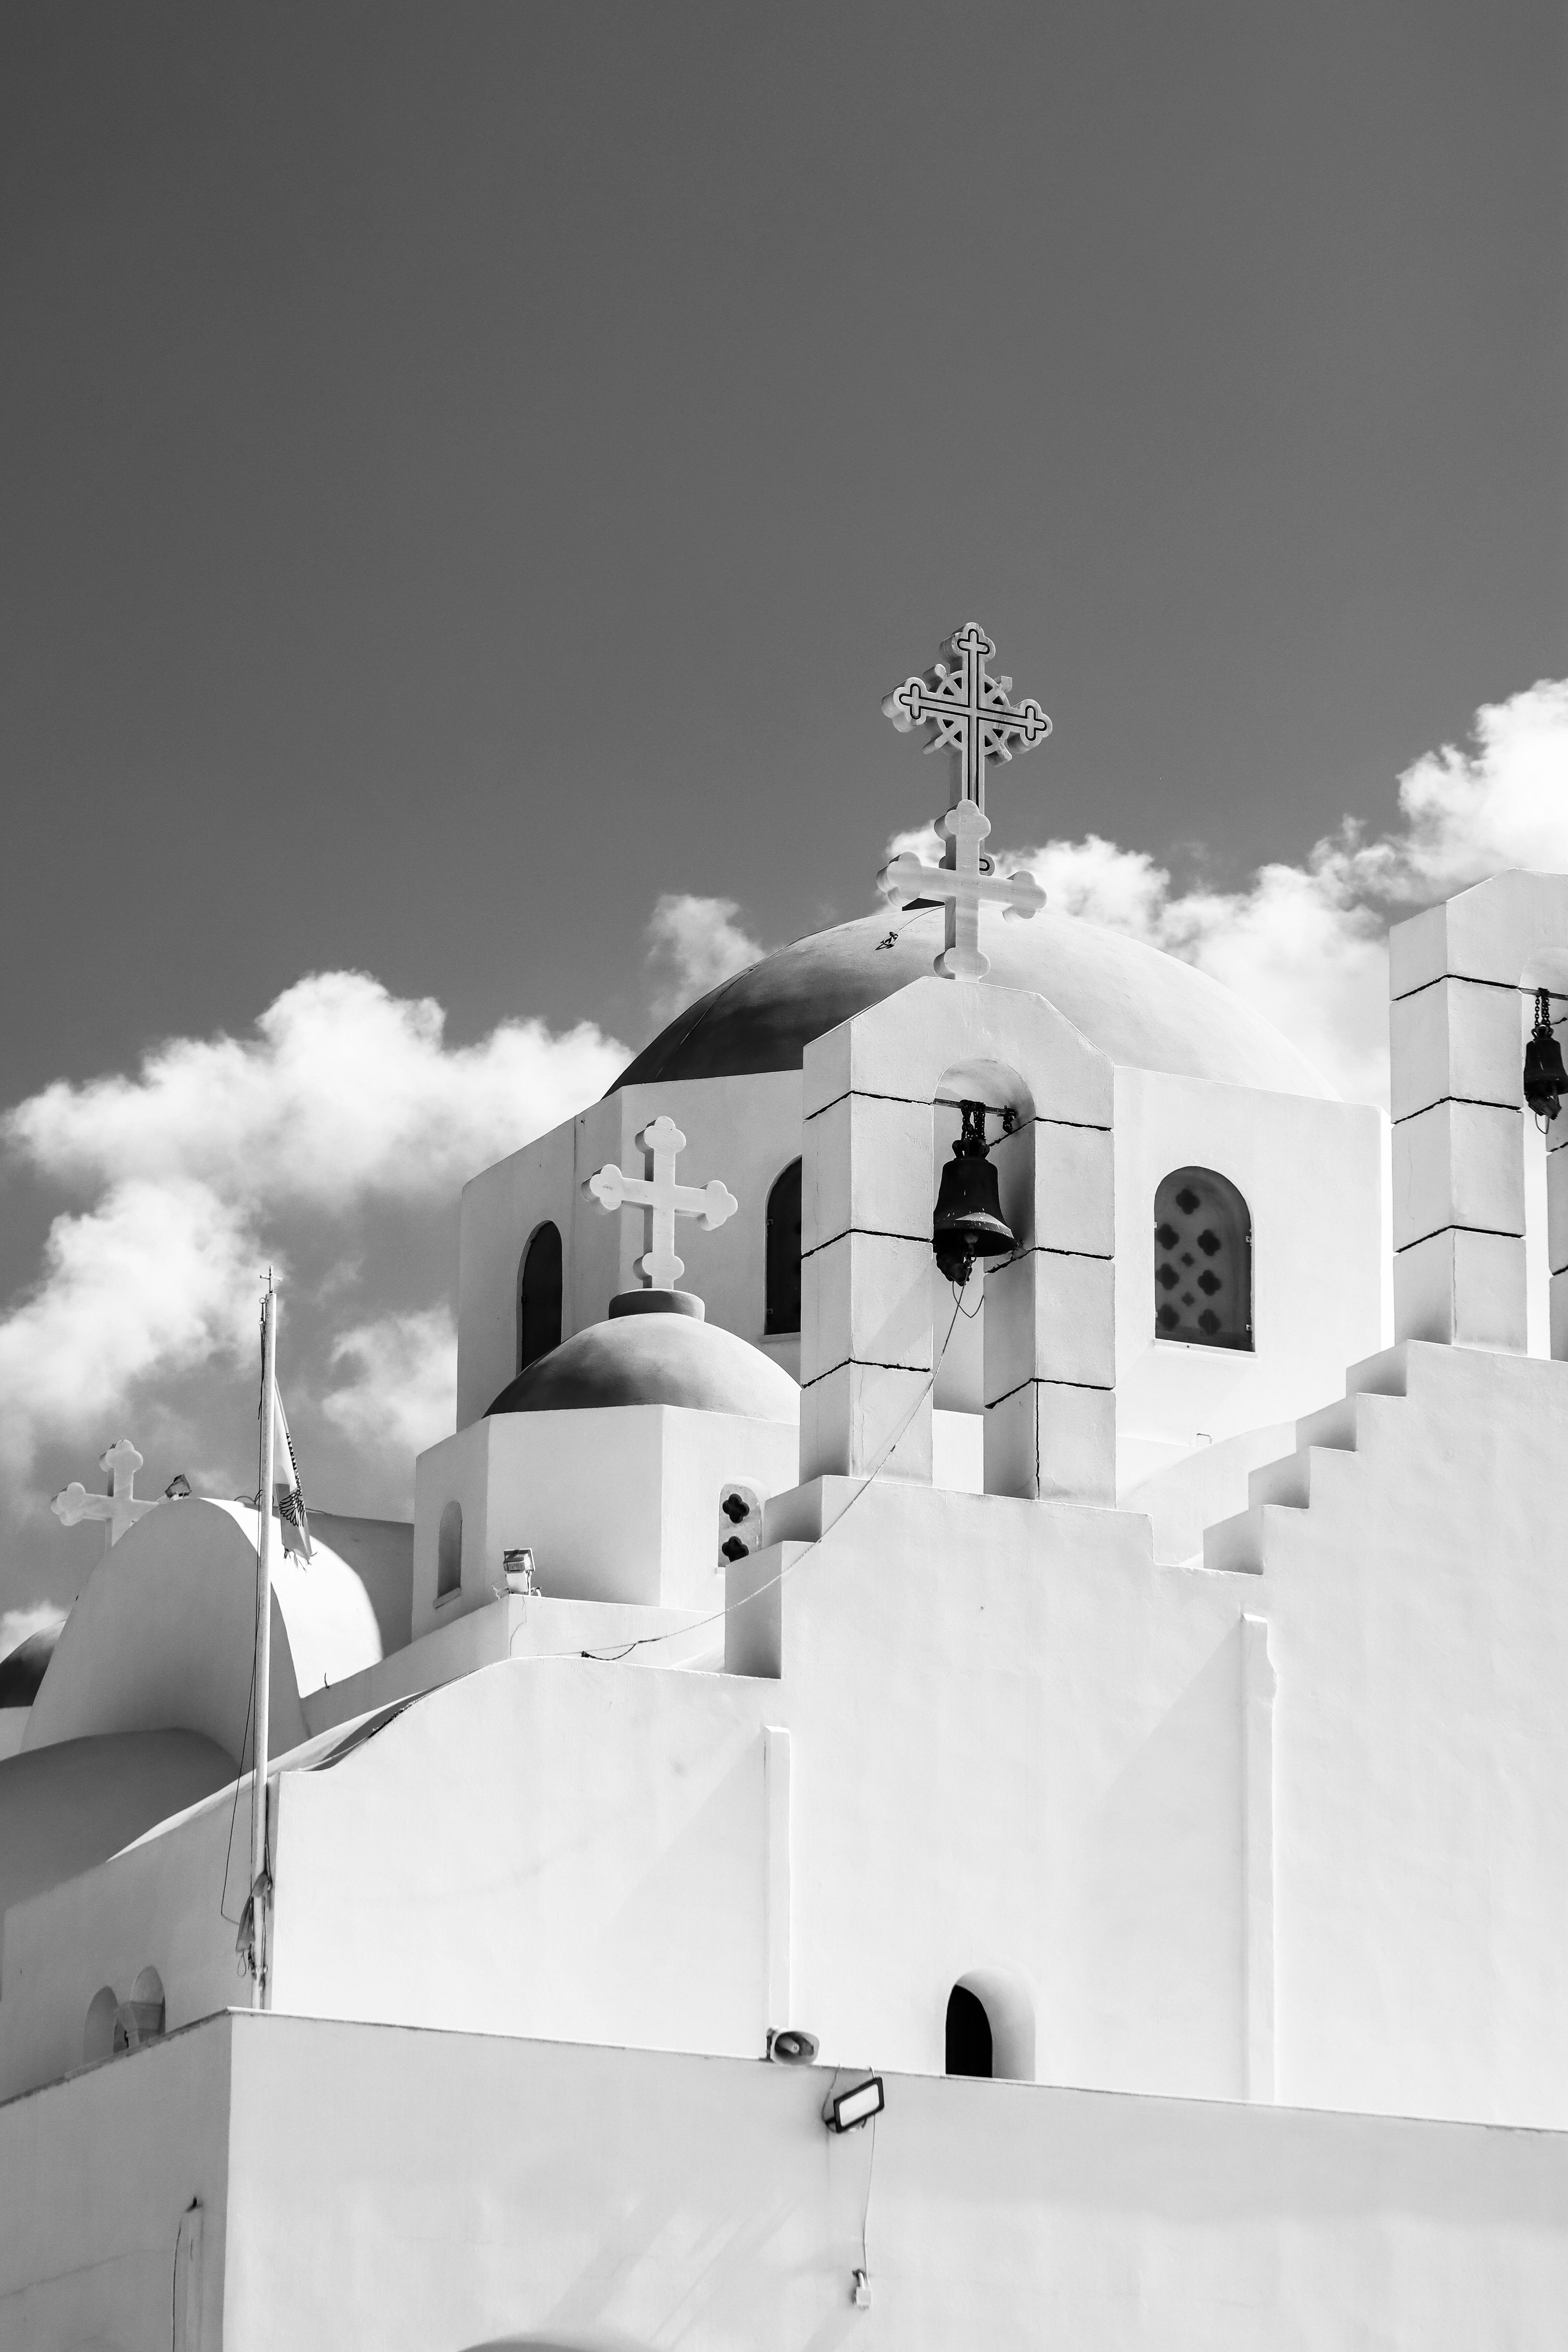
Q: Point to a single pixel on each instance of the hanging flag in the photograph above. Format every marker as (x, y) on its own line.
(288, 1501)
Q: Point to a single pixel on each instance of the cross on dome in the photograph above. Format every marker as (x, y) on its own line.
(965, 878)
(661, 1200)
(122, 1506)
(967, 712)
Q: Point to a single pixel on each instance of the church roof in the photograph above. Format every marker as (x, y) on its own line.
(655, 1360)
(1143, 1009)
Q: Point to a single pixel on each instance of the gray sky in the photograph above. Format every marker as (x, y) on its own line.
(469, 471)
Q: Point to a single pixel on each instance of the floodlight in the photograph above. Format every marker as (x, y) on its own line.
(855, 2106)
(519, 1569)
(788, 2046)
(178, 1487)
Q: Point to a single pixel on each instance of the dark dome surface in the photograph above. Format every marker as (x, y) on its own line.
(1143, 1009)
(654, 1359)
(23, 1668)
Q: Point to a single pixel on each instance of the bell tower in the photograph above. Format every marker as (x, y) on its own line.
(876, 1303)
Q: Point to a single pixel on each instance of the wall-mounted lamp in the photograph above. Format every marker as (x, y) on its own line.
(854, 2106)
(1545, 1080)
(178, 1487)
(518, 1569)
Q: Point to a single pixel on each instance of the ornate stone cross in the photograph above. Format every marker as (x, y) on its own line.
(967, 712)
(120, 1507)
(661, 1200)
(966, 877)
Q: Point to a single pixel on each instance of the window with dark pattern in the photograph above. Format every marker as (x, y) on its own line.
(1202, 1261)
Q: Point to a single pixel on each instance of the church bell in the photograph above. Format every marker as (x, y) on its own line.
(1545, 1080)
(969, 1222)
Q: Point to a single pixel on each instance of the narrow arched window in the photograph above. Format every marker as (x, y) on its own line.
(782, 1311)
(1202, 1261)
(450, 1552)
(539, 1298)
(969, 2047)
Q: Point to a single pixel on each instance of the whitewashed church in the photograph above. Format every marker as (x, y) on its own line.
(967, 1746)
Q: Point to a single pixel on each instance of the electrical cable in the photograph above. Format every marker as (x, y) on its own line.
(679, 1633)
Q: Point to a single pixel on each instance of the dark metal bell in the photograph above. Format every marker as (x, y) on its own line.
(1545, 1080)
(968, 1223)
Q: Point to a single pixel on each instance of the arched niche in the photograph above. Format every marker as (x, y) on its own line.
(449, 1552)
(141, 2017)
(1202, 1261)
(98, 2032)
(1005, 2001)
(539, 1282)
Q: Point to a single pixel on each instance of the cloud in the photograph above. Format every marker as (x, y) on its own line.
(19, 1625)
(693, 944)
(400, 1398)
(318, 1144)
(155, 1277)
(345, 1090)
(1306, 943)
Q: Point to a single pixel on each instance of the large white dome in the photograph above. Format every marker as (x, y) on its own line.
(1143, 1009)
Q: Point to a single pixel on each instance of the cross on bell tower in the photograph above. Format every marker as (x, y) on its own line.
(968, 712)
(660, 1200)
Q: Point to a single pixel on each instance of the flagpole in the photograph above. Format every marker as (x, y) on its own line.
(261, 1887)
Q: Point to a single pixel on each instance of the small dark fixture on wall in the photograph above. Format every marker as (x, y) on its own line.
(788, 2045)
(969, 1222)
(1545, 1080)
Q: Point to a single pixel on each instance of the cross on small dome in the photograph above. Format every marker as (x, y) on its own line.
(122, 1506)
(658, 1198)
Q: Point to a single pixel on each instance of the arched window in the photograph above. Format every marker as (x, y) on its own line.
(449, 1552)
(783, 1312)
(539, 1298)
(1202, 1261)
(968, 2033)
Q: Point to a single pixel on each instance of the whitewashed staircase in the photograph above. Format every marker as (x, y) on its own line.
(1327, 1441)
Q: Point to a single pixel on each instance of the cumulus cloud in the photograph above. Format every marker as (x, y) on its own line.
(693, 944)
(155, 1275)
(222, 1155)
(19, 1625)
(1306, 943)
(398, 1397)
(344, 1090)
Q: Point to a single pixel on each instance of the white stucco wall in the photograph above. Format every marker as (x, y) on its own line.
(1412, 1575)
(436, 2193)
(619, 1504)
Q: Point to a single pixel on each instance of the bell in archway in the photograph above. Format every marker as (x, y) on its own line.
(969, 1222)
(1545, 1080)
